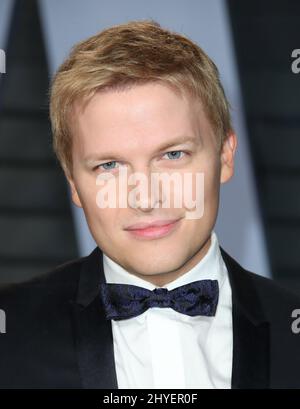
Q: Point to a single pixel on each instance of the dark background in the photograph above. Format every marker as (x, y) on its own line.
(33, 192)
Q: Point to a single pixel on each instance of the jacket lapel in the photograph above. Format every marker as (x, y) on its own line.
(93, 333)
(251, 343)
(94, 340)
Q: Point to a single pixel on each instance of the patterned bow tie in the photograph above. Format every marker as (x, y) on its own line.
(122, 301)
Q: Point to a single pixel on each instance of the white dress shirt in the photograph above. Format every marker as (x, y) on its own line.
(162, 348)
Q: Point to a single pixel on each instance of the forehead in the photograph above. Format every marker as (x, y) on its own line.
(143, 115)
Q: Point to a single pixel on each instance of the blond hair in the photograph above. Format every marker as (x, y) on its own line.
(130, 54)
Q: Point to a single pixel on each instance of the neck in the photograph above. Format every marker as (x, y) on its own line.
(161, 279)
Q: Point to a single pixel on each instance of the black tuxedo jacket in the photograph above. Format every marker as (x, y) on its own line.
(57, 335)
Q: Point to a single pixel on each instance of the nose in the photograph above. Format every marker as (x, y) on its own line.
(146, 196)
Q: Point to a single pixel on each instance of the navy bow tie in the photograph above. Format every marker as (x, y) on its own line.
(122, 301)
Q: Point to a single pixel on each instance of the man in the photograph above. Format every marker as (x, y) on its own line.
(158, 303)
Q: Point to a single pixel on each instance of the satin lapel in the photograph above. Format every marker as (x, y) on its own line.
(94, 341)
(251, 339)
(93, 333)
(250, 367)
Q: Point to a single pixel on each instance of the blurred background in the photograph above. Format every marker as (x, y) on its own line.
(251, 42)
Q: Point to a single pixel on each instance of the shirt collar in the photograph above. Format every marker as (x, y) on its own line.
(209, 267)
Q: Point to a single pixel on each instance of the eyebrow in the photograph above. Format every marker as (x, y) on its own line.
(178, 141)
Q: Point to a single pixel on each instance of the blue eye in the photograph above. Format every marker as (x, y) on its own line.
(107, 165)
(174, 154)
(112, 164)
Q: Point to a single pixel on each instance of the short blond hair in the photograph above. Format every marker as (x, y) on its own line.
(130, 54)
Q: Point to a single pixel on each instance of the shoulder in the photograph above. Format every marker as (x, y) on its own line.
(37, 343)
(277, 301)
(274, 298)
(58, 283)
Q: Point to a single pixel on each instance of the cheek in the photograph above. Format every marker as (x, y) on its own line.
(208, 183)
(87, 191)
(208, 198)
(212, 175)
(103, 224)
(212, 184)
(105, 218)
(88, 199)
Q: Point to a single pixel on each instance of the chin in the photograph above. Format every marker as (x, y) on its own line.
(160, 265)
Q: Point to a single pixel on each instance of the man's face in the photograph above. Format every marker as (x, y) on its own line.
(129, 130)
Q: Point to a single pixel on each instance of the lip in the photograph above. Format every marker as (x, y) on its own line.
(155, 223)
(155, 229)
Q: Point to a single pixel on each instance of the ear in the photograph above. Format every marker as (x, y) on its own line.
(75, 197)
(227, 157)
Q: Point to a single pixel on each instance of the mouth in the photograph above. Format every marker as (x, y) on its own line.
(154, 230)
